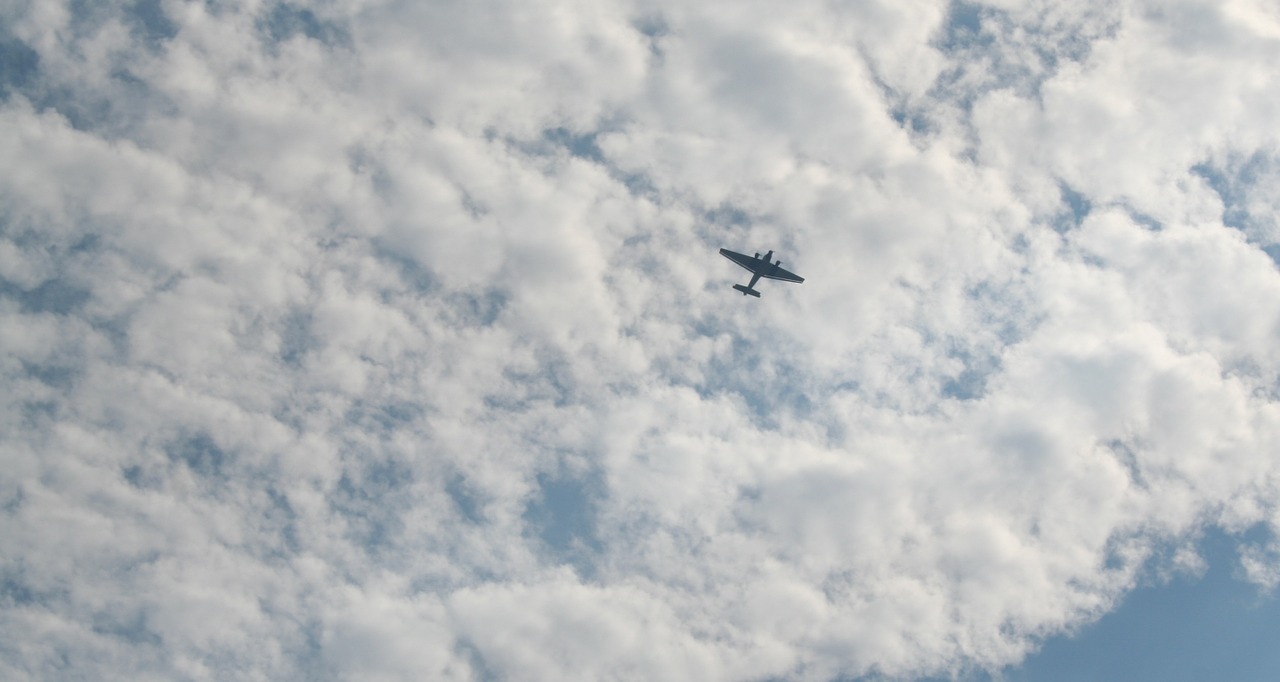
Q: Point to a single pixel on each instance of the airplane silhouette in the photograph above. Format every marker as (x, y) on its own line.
(759, 267)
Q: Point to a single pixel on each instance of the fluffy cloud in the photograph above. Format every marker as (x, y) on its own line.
(388, 340)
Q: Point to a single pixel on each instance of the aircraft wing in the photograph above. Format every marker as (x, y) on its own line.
(779, 273)
(752, 264)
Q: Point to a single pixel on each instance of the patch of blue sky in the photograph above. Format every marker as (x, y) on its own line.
(971, 382)
(1078, 208)
(130, 625)
(28, 233)
(585, 146)
(110, 111)
(1237, 183)
(769, 387)
(105, 108)
(1188, 628)
(552, 384)
(57, 296)
(557, 141)
(652, 25)
(466, 501)
(18, 65)
(281, 517)
(417, 276)
(963, 27)
(285, 21)
(563, 516)
(980, 61)
(481, 671)
(990, 49)
(963, 39)
(1212, 627)
(145, 19)
(383, 417)
(370, 498)
(1143, 219)
(980, 355)
(16, 589)
(1231, 183)
(1002, 309)
(654, 28)
(296, 336)
(728, 215)
(201, 455)
(580, 145)
(149, 23)
(56, 376)
(1273, 251)
(914, 120)
(40, 414)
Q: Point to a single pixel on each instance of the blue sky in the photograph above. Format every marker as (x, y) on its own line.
(389, 340)
(1192, 627)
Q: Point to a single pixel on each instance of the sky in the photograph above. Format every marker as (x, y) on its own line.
(388, 340)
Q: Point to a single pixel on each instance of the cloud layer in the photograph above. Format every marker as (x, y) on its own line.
(388, 340)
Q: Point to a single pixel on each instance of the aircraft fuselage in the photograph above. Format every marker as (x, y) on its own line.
(760, 266)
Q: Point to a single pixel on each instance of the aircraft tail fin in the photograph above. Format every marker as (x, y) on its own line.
(746, 290)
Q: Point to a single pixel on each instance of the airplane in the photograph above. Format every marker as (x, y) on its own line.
(759, 267)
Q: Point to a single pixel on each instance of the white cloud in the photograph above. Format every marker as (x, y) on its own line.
(389, 340)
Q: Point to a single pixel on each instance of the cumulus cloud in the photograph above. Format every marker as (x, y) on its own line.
(388, 340)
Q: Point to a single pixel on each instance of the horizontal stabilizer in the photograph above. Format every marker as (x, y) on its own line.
(747, 290)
